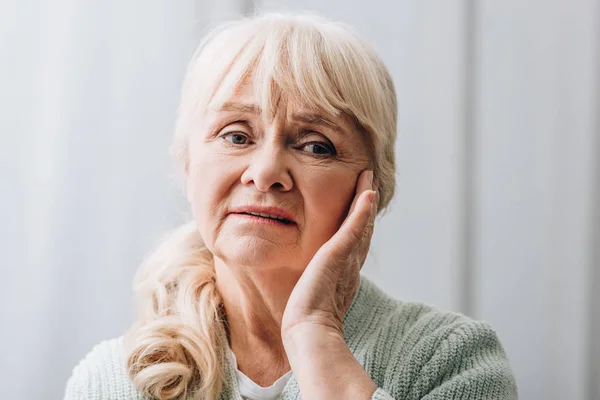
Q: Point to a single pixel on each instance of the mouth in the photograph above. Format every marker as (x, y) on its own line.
(271, 217)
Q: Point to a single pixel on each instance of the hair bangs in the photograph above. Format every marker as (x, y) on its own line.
(270, 63)
(317, 64)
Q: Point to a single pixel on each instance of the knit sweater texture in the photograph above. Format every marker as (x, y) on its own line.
(411, 351)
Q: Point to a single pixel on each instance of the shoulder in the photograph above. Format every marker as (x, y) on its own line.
(416, 350)
(101, 374)
(373, 313)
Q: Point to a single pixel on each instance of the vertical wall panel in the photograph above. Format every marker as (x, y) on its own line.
(534, 179)
(593, 352)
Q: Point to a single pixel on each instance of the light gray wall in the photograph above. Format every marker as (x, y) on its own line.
(497, 209)
(537, 144)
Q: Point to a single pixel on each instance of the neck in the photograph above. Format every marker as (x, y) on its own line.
(254, 299)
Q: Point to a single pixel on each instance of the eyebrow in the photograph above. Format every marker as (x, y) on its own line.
(306, 117)
(241, 107)
(316, 119)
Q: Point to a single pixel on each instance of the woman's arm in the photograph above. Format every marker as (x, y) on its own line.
(324, 366)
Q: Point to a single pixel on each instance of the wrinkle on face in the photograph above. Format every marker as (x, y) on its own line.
(322, 188)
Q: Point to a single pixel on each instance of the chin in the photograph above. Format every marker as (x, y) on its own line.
(254, 251)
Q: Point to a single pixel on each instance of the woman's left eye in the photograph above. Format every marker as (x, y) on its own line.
(318, 149)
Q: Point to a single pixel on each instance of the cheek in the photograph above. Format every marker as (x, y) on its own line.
(211, 177)
(327, 198)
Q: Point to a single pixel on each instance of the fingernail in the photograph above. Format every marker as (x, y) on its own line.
(370, 176)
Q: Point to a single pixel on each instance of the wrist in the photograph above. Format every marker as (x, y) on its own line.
(303, 336)
(324, 366)
(308, 345)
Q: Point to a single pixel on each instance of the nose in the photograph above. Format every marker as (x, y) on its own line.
(268, 169)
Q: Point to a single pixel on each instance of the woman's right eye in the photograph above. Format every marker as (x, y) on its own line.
(235, 138)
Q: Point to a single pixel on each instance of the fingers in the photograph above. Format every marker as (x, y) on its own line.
(352, 231)
(365, 243)
(355, 233)
(364, 182)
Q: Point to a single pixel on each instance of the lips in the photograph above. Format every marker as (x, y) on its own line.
(275, 217)
(273, 213)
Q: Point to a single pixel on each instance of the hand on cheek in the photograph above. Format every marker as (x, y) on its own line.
(325, 290)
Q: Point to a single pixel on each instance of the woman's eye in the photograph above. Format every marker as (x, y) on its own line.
(235, 138)
(318, 149)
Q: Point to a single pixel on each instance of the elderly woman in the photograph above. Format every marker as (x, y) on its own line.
(285, 140)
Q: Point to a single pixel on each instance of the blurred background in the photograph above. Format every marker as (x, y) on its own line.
(497, 211)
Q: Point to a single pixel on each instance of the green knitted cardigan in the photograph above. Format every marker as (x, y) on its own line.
(410, 350)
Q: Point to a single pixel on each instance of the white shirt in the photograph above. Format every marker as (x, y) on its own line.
(250, 390)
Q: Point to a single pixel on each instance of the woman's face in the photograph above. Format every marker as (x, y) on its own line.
(302, 166)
